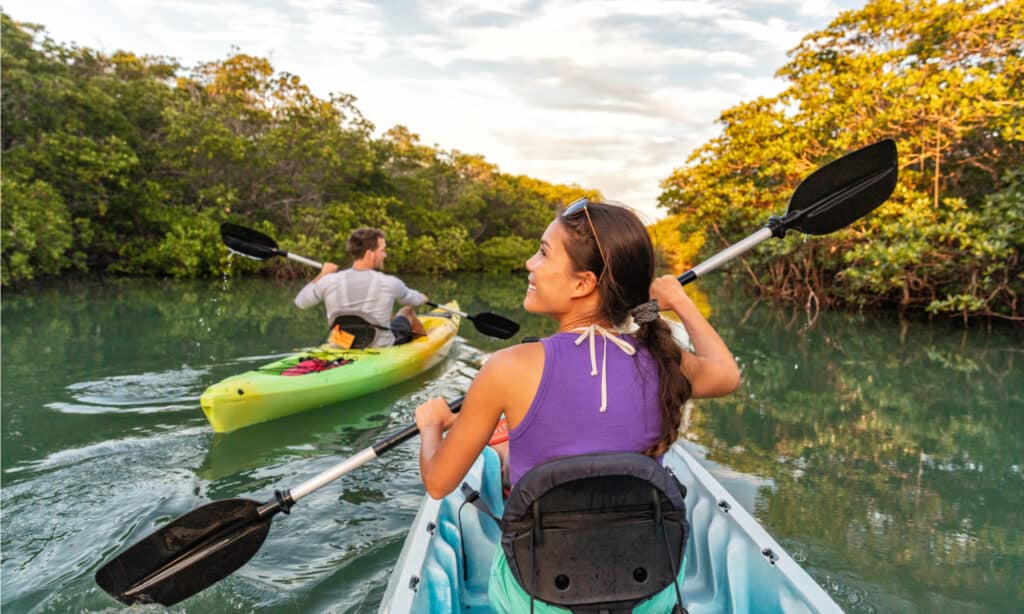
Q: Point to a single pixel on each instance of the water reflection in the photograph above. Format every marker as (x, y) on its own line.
(893, 449)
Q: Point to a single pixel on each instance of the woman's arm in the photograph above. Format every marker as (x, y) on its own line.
(445, 460)
(711, 368)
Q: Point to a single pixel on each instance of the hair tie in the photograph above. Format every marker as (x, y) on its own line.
(645, 313)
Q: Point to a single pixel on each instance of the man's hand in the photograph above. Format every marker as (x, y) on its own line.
(326, 269)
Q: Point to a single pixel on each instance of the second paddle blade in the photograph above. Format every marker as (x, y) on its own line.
(494, 325)
(247, 242)
(189, 554)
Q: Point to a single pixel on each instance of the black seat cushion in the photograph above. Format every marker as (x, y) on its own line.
(597, 532)
(363, 332)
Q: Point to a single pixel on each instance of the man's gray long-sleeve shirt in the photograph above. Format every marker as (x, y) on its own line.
(367, 293)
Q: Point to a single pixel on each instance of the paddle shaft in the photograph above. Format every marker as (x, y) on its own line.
(733, 251)
(360, 458)
(303, 260)
(450, 310)
(209, 543)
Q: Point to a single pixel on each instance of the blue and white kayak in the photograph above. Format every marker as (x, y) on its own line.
(732, 564)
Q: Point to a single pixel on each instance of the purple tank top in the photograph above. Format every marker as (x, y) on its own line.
(565, 417)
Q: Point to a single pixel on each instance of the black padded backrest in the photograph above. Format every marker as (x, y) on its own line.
(358, 327)
(598, 532)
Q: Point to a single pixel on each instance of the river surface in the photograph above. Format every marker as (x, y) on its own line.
(886, 456)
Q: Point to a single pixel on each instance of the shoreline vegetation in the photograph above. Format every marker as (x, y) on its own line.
(126, 165)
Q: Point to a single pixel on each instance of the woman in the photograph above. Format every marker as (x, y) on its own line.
(587, 388)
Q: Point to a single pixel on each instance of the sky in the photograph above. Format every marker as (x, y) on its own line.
(606, 95)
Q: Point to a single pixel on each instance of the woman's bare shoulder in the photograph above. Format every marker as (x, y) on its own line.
(510, 378)
(515, 358)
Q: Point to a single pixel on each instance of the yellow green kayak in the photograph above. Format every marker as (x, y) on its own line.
(286, 387)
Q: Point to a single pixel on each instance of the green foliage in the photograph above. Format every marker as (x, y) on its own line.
(450, 250)
(955, 259)
(35, 228)
(190, 248)
(941, 78)
(505, 254)
(147, 159)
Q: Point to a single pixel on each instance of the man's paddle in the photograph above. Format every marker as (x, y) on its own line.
(209, 543)
(830, 198)
(258, 246)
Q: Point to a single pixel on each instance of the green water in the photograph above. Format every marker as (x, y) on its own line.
(886, 457)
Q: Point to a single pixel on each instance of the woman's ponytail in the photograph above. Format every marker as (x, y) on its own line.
(673, 387)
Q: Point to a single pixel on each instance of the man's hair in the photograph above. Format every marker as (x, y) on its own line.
(363, 239)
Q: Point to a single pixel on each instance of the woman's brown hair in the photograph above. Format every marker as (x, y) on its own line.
(629, 256)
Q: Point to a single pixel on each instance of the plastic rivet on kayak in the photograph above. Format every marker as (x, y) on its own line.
(724, 505)
(640, 575)
(414, 582)
(562, 582)
(240, 392)
(770, 555)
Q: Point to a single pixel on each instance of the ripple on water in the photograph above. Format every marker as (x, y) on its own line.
(78, 507)
(333, 553)
(173, 390)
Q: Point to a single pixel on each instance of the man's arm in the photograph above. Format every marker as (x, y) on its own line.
(310, 295)
(406, 295)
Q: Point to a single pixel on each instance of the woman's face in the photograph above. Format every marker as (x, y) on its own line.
(552, 282)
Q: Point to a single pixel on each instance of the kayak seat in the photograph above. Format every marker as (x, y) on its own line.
(363, 332)
(596, 533)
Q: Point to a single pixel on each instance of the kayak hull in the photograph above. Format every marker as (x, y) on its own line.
(732, 564)
(264, 394)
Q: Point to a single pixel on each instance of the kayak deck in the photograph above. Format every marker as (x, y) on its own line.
(265, 393)
(732, 564)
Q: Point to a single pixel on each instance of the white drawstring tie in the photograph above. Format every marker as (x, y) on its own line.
(588, 333)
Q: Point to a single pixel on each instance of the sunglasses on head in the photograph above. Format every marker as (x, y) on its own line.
(581, 205)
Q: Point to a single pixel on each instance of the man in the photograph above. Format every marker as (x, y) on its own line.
(366, 292)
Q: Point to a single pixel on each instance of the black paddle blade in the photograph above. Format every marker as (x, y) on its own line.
(248, 242)
(187, 555)
(494, 325)
(843, 190)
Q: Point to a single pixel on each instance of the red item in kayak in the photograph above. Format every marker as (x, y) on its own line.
(314, 365)
(500, 434)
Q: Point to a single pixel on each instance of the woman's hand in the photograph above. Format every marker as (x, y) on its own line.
(711, 368)
(669, 293)
(434, 414)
